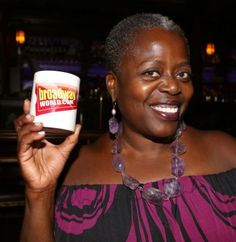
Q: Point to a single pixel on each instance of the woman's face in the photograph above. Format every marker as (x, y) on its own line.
(154, 86)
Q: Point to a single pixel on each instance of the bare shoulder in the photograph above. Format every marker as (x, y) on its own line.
(219, 146)
(90, 163)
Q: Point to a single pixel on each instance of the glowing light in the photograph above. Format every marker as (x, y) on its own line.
(210, 49)
(20, 37)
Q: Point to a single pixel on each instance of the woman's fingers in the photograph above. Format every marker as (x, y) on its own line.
(26, 106)
(25, 117)
(73, 138)
(70, 141)
(22, 120)
(29, 128)
(28, 139)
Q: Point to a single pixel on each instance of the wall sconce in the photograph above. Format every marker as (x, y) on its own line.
(20, 37)
(210, 49)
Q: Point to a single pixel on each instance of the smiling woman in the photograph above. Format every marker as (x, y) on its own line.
(148, 178)
(150, 71)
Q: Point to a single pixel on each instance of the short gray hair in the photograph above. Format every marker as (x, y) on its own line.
(122, 35)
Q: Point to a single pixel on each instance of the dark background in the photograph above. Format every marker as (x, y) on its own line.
(90, 21)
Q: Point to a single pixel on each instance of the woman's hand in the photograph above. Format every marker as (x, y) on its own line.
(41, 162)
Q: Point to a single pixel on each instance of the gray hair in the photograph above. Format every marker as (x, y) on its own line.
(122, 35)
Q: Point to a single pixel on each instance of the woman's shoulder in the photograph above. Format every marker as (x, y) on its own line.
(91, 162)
(218, 146)
(213, 138)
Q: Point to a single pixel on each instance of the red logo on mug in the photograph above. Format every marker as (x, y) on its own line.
(55, 98)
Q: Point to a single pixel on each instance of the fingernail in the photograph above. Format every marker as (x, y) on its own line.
(26, 101)
(41, 132)
(28, 116)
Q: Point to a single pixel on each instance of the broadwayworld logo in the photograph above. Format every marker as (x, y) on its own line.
(55, 98)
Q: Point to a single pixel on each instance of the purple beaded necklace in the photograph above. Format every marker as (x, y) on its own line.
(172, 186)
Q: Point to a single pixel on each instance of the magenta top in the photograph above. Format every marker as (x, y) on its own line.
(205, 211)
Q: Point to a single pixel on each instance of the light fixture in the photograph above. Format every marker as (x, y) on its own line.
(210, 48)
(20, 37)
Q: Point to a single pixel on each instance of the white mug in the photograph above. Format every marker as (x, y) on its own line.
(54, 100)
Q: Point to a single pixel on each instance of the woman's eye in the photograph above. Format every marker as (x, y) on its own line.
(186, 76)
(152, 73)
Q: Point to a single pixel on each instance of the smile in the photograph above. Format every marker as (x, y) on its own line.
(170, 109)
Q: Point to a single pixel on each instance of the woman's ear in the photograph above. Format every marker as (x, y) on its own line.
(111, 83)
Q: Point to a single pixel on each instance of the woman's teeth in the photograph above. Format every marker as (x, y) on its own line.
(165, 109)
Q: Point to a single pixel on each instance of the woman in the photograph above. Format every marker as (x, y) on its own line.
(151, 178)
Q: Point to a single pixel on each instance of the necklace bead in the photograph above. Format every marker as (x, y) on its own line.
(129, 181)
(118, 163)
(153, 195)
(172, 186)
(177, 166)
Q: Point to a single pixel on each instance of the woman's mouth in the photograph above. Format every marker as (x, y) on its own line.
(167, 111)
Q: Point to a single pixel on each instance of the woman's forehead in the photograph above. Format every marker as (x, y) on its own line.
(154, 41)
(157, 35)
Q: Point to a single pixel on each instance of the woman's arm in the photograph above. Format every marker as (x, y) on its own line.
(41, 164)
(38, 219)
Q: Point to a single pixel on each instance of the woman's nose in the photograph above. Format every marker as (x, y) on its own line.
(170, 85)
